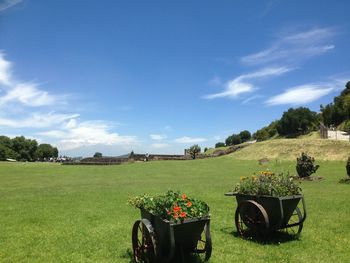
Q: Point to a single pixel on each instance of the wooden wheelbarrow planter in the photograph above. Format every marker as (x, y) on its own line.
(266, 214)
(158, 240)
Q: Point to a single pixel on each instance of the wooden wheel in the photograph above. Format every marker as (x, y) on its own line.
(204, 246)
(251, 218)
(144, 242)
(295, 224)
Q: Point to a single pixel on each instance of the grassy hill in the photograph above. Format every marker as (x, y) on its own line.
(289, 149)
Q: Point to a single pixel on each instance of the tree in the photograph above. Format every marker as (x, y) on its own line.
(245, 135)
(297, 121)
(6, 151)
(46, 151)
(228, 141)
(194, 150)
(339, 111)
(98, 155)
(261, 135)
(219, 144)
(26, 148)
(236, 139)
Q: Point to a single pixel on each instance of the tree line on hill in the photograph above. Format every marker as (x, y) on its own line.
(298, 121)
(22, 149)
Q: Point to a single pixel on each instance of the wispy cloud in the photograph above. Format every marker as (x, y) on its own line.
(240, 84)
(295, 47)
(301, 95)
(158, 137)
(37, 120)
(186, 139)
(26, 94)
(215, 81)
(5, 70)
(5, 4)
(255, 97)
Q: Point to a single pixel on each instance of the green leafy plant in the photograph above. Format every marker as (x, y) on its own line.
(173, 205)
(348, 167)
(268, 183)
(305, 165)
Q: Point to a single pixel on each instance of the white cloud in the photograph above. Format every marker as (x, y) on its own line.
(87, 133)
(159, 145)
(239, 85)
(158, 137)
(37, 120)
(301, 95)
(295, 47)
(5, 4)
(186, 139)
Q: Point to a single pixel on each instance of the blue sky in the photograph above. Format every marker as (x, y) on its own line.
(160, 76)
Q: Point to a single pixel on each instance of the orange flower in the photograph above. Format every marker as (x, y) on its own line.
(184, 196)
(175, 216)
(177, 209)
(183, 214)
(189, 204)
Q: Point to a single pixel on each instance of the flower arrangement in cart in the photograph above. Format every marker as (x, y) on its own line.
(267, 183)
(173, 206)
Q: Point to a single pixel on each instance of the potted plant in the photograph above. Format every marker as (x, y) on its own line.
(346, 180)
(268, 202)
(171, 224)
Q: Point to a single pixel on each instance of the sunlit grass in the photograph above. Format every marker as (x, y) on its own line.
(55, 213)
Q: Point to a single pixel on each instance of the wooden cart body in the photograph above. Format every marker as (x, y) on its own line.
(174, 240)
(276, 212)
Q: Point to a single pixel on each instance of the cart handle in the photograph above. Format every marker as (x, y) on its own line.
(303, 216)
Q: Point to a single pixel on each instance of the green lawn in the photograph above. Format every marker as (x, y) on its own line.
(56, 213)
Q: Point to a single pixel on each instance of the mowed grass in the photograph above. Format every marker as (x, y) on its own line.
(56, 213)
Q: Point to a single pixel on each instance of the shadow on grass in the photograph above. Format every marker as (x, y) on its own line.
(128, 255)
(273, 238)
(345, 180)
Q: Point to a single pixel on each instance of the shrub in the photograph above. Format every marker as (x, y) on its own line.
(348, 167)
(172, 206)
(219, 144)
(305, 165)
(268, 183)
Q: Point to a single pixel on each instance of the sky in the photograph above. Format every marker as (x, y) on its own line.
(160, 76)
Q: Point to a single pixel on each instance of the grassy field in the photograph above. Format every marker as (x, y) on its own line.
(55, 213)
